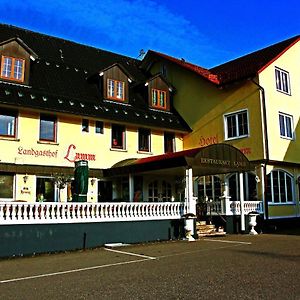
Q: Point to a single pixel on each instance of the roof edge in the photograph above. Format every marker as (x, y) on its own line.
(277, 56)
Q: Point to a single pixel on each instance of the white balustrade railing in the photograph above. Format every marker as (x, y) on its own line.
(228, 208)
(58, 212)
(249, 206)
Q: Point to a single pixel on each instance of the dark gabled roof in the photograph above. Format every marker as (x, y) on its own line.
(253, 63)
(205, 73)
(234, 70)
(58, 82)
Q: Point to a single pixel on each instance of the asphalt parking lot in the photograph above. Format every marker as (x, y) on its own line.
(265, 266)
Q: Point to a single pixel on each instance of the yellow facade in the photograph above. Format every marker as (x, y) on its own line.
(283, 149)
(203, 105)
(72, 144)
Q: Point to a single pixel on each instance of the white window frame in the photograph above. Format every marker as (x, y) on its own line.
(116, 89)
(285, 124)
(285, 186)
(282, 80)
(11, 124)
(236, 114)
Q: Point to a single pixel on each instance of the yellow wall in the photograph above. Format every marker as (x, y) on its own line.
(69, 133)
(203, 105)
(283, 149)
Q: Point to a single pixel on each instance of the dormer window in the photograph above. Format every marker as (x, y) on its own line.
(115, 89)
(159, 93)
(159, 99)
(12, 68)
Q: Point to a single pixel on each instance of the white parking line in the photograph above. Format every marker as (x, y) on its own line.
(204, 251)
(143, 258)
(230, 242)
(73, 271)
(130, 253)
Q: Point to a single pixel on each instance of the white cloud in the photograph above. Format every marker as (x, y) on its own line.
(121, 26)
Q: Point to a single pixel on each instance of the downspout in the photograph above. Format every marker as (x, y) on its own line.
(266, 145)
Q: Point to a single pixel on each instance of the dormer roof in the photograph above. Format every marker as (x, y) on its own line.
(58, 82)
(33, 55)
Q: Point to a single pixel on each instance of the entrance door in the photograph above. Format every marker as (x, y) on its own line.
(159, 191)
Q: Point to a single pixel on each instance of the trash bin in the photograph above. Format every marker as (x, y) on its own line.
(81, 181)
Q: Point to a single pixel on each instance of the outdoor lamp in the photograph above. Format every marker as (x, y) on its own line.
(25, 178)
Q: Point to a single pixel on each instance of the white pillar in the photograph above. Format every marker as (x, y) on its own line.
(242, 202)
(131, 187)
(262, 183)
(189, 196)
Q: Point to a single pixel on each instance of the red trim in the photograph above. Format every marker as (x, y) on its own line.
(276, 57)
(189, 66)
(169, 155)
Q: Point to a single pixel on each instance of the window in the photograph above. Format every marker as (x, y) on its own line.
(236, 125)
(118, 136)
(48, 128)
(159, 98)
(12, 68)
(169, 142)
(279, 187)
(159, 191)
(282, 81)
(115, 89)
(85, 125)
(6, 186)
(250, 187)
(209, 186)
(99, 127)
(286, 126)
(144, 140)
(8, 123)
(45, 190)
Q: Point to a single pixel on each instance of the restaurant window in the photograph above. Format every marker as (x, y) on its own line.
(159, 99)
(45, 190)
(250, 187)
(115, 89)
(282, 81)
(8, 123)
(48, 128)
(279, 187)
(166, 191)
(99, 127)
(85, 125)
(144, 140)
(236, 125)
(12, 68)
(6, 186)
(159, 191)
(117, 136)
(209, 187)
(169, 142)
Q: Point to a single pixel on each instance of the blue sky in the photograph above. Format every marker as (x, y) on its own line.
(206, 33)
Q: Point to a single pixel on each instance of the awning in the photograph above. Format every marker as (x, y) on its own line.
(44, 170)
(213, 159)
